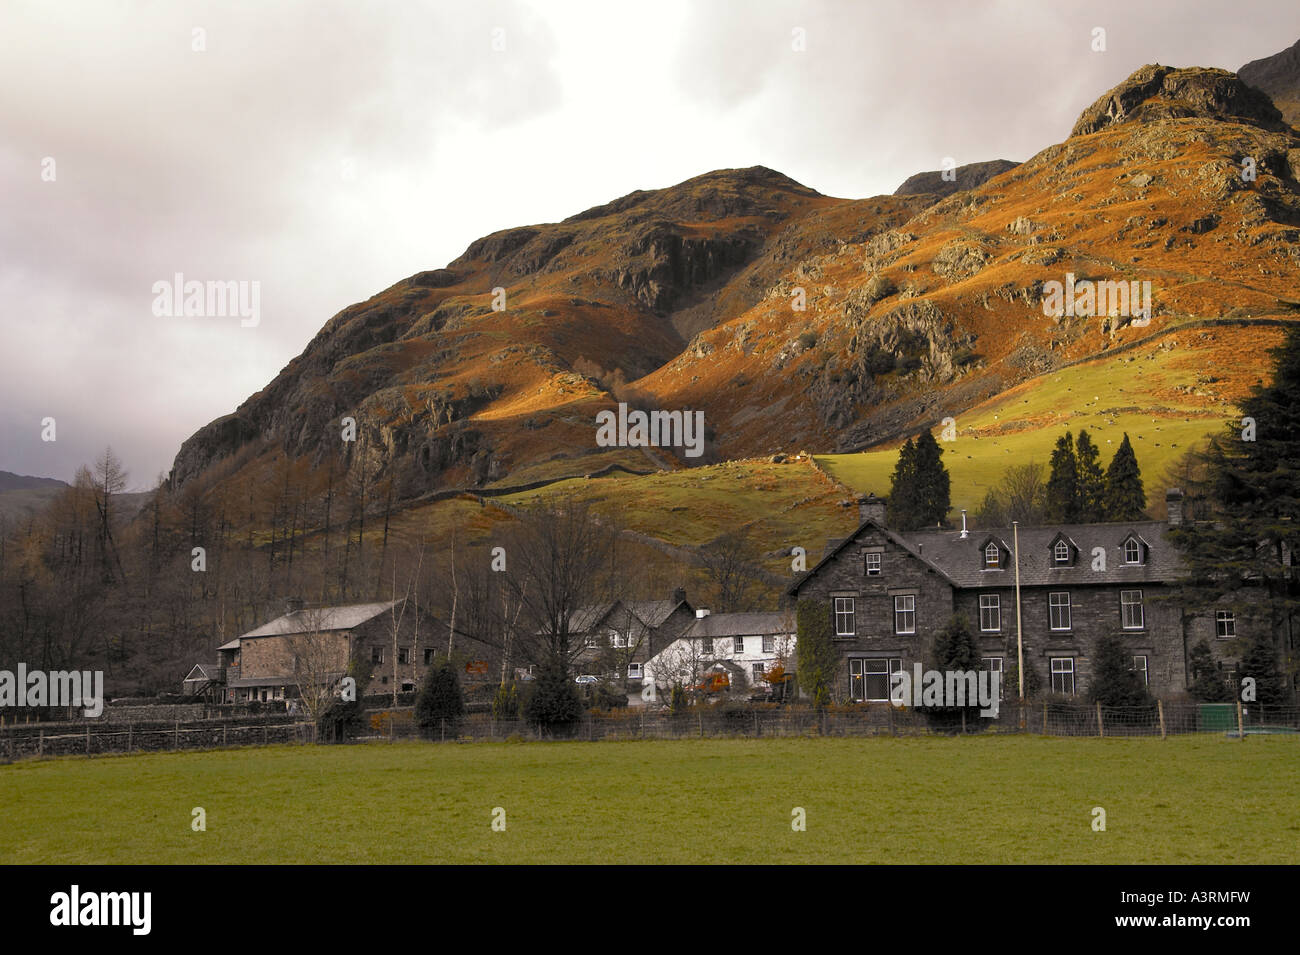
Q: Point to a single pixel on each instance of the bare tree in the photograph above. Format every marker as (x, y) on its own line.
(320, 659)
(1021, 496)
(733, 569)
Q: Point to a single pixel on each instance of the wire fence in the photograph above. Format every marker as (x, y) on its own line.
(725, 721)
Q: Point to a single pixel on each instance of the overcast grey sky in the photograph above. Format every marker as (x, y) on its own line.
(327, 150)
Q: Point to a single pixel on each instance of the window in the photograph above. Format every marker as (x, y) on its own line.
(1063, 675)
(1058, 609)
(408, 687)
(992, 556)
(844, 623)
(1225, 624)
(993, 665)
(873, 564)
(769, 644)
(376, 654)
(428, 657)
(990, 613)
(384, 681)
(403, 654)
(905, 614)
(1130, 606)
(634, 671)
(617, 639)
(869, 678)
(706, 646)
(1132, 551)
(757, 671)
(1140, 668)
(740, 644)
(1061, 552)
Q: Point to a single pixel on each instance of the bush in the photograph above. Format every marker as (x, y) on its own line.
(440, 700)
(339, 721)
(505, 704)
(553, 701)
(677, 700)
(1114, 681)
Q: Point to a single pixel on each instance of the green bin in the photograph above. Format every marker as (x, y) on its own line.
(1218, 717)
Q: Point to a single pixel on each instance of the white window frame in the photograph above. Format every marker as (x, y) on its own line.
(738, 645)
(706, 646)
(769, 644)
(995, 608)
(843, 608)
(1225, 624)
(1064, 608)
(1061, 552)
(1125, 603)
(904, 610)
(873, 563)
(996, 562)
(634, 671)
(1063, 672)
(1144, 667)
(756, 671)
(1137, 549)
(858, 694)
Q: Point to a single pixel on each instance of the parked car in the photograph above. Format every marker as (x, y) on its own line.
(586, 679)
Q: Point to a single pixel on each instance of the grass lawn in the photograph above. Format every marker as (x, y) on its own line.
(998, 799)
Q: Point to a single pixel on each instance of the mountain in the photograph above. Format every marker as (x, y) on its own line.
(917, 308)
(963, 178)
(1278, 76)
(22, 496)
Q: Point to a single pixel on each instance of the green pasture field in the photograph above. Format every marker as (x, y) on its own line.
(1008, 799)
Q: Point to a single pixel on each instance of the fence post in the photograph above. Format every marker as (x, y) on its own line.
(1160, 710)
(444, 730)
(87, 739)
(700, 716)
(130, 729)
(1241, 730)
(1101, 728)
(1044, 717)
(263, 734)
(224, 728)
(40, 744)
(176, 735)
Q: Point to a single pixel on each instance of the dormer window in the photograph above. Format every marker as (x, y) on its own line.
(1061, 552)
(992, 556)
(1132, 551)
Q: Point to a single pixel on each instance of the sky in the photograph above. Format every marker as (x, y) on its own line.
(320, 152)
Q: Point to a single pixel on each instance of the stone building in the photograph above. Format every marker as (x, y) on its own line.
(890, 592)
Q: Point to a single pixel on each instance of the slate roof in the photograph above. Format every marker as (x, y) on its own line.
(740, 625)
(313, 620)
(960, 562)
(651, 613)
(204, 672)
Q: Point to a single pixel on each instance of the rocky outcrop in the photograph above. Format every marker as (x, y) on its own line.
(1279, 77)
(959, 179)
(1162, 92)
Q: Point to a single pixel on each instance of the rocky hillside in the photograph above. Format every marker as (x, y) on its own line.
(1279, 77)
(794, 319)
(962, 178)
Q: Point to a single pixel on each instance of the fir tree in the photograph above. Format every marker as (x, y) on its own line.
(554, 701)
(1259, 663)
(901, 511)
(1063, 483)
(440, 700)
(1124, 497)
(1209, 682)
(1114, 681)
(1091, 478)
(956, 649)
(934, 486)
(1243, 557)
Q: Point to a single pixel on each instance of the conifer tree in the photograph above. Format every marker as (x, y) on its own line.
(1259, 663)
(1091, 478)
(440, 699)
(1114, 681)
(1209, 682)
(1125, 497)
(901, 508)
(934, 486)
(1063, 483)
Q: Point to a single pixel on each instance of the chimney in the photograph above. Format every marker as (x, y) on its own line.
(701, 614)
(679, 595)
(1174, 506)
(871, 508)
(293, 605)
(964, 533)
